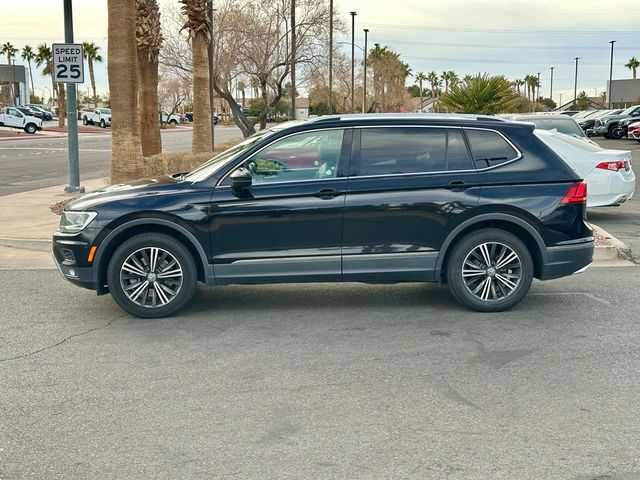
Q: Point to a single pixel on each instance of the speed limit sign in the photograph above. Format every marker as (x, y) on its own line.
(68, 63)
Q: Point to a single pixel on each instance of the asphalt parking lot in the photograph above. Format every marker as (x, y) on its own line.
(322, 381)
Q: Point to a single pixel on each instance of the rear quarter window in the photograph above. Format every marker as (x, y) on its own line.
(489, 148)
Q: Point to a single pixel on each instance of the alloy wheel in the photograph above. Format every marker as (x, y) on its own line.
(492, 271)
(151, 277)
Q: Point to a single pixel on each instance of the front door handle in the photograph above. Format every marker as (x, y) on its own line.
(458, 186)
(327, 193)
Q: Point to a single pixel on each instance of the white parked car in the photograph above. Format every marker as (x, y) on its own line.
(608, 173)
(173, 119)
(100, 116)
(15, 118)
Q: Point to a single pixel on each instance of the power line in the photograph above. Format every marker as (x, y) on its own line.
(495, 45)
(495, 30)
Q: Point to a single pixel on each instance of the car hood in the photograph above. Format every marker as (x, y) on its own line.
(123, 191)
(614, 117)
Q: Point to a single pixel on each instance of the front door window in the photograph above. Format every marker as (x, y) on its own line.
(305, 156)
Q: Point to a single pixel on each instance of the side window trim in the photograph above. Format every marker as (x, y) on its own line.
(509, 142)
(347, 135)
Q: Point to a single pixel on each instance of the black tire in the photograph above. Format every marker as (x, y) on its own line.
(173, 123)
(616, 133)
(30, 128)
(464, 252)
(103, 123)
(84, 120)
(117, 277)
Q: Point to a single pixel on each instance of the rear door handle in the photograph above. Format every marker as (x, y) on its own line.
(327, 193)
(458, 186)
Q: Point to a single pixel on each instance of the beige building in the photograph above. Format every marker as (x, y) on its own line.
(624, 93)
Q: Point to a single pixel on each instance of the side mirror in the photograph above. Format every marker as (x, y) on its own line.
(240, 179)
(590, 132)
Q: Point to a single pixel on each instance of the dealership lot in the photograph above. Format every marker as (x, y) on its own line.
(325, 381)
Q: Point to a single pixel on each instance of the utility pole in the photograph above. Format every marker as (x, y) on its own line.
(72, 114)
(610, 73)
(330, 57)
(575, 84)
(293, 59)
(212, 92)
(551, 85)
(353, 60)
(364, 91)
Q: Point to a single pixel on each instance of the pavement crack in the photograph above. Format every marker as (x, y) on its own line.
(61, 342)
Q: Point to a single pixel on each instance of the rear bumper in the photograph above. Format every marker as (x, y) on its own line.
(567, 259)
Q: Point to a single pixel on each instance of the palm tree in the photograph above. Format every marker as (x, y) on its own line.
(149, 42)
(435, 83)
(482, 95)
(44, 57)
(199, 28)
(518, 82)
(633, 65)
(420, 78)
(28, 55)
(9, 50)
(126, 150)
(449, 77)
(91, 54)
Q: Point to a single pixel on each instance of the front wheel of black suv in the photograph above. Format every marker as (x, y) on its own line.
(152, 275)
(490, 270)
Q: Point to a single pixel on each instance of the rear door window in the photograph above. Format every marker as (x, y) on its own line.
(404, 150)
(489, 148)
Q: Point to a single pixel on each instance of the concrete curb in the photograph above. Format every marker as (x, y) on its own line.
(37, 244)
(614, 251)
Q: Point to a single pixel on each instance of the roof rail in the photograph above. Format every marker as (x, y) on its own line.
(407, 116)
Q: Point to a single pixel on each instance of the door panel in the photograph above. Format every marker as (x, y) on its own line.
(395, 224)
(284, 230)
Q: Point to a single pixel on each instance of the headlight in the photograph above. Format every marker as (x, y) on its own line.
(74, 222)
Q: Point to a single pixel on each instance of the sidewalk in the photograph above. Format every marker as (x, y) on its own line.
(27, 224)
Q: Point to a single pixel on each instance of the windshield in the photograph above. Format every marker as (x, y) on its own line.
(209, 168)
(584, 113)
(629, 110)
(105, 110)
(566, 126)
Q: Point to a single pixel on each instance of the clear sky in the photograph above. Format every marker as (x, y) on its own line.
(510, 37)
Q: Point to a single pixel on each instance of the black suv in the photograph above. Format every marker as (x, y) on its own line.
(476, 202)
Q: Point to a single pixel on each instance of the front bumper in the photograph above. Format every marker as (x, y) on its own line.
(566, 260)
(70, 257)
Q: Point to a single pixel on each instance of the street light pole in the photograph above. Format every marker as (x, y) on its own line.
(212, 92)
(330, 56)
(364, 91)
(537, 91)
(575, 84)
(293, 59)
(551, 85)
(353, 60)
(72, 114)
(610, 72)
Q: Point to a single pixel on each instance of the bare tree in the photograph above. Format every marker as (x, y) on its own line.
(262, 29)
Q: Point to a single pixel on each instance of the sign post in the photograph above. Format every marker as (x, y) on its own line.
(68, 67)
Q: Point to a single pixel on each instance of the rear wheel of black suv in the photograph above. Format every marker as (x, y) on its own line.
(152, 275)
(490, 270)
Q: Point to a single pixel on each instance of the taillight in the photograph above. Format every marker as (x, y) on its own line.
(577, 193)
(613, 166)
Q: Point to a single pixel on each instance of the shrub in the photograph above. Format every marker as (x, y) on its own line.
(176, 162)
